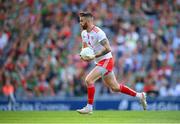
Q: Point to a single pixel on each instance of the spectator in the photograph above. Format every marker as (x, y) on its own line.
(3, 40)
(42, 54)
(177, 88)
(8, 91)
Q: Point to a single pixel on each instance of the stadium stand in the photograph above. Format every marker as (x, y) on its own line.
(40, 44)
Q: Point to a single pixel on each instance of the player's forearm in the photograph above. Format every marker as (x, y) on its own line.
(103, 52)
(106, 48)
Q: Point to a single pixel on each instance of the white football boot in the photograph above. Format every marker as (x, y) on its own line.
(143, 101)
(85, 110)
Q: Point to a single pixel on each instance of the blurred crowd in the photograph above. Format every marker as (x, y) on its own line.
(40, 44)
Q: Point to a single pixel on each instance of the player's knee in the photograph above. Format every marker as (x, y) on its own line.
(88, 81)
(115, 89)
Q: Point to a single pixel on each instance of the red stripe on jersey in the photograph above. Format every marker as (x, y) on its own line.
(95, 29)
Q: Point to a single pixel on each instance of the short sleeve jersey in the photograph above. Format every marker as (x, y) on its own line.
(93, 39)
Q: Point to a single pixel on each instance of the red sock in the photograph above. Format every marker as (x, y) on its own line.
(126, 90)
(91, 91)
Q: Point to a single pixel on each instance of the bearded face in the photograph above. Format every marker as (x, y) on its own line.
(83, 23)
(84, 26)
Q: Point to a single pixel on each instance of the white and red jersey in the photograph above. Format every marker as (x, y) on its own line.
(93, 39)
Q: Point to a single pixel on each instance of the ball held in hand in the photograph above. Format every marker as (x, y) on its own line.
(87, 53)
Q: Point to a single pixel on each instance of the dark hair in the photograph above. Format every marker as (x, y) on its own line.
(85, 14)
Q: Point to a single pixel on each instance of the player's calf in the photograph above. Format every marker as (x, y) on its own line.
(115, 89)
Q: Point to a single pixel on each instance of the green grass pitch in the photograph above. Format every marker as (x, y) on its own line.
(64, 117)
